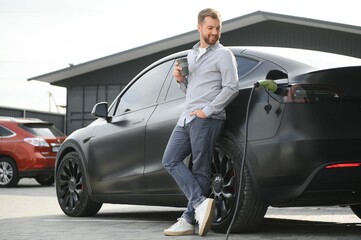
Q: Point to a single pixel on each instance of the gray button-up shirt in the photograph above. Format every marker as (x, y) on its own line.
(212, 82)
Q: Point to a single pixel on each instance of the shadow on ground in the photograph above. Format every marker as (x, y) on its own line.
(269, 226)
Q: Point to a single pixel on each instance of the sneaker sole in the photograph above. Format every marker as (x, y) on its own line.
(190, 232)
(209, 216)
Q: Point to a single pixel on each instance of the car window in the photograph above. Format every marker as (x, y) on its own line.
(145, 90)
(245, 65)
(174, 91)
(42, 130)
(4, 132)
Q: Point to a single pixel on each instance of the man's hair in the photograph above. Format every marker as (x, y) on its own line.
(208, 12)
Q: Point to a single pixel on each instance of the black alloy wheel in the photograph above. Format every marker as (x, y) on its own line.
(224, 184)
(71, 188)
(224, 189)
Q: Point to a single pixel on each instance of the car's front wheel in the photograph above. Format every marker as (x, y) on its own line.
(9, 176)
(225, 190)
(71, 188)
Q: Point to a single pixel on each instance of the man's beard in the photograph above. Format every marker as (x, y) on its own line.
(211, 39)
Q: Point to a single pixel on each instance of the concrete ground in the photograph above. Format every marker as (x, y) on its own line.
(31, 211)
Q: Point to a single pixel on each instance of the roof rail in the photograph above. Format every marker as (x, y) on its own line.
(7, 118)
(14, 119)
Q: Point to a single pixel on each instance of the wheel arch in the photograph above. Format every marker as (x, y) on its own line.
(15, 177)
(73, 146)
(5, 156)
(10, 157)
(252, 208)
(238, 140)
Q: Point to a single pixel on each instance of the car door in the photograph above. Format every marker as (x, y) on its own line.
(117, 153)
(159, 129)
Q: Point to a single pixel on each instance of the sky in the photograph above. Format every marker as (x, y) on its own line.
(42, 36)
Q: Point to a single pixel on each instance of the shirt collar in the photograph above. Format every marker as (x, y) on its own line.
(210, 47)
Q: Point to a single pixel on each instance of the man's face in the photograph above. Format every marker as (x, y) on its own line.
(210, 30)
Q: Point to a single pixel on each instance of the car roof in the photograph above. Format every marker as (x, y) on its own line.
(293, 60)
(316, 59)
(22, 120)
(313, 58)
(301, 61)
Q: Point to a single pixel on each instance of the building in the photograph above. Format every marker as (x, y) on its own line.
(102, 79)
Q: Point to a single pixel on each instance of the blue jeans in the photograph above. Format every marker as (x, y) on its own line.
(197, 138)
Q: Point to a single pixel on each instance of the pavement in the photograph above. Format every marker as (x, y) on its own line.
(31, 211)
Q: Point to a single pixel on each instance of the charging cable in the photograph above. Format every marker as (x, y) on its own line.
(242, 164)
(269, 85)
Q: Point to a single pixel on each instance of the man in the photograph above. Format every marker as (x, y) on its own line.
(211, 85)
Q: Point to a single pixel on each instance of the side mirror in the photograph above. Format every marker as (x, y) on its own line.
(100, 110)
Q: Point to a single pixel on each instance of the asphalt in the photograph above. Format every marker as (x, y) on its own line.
(32, 212)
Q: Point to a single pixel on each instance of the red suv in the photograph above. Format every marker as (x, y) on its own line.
(28, 148)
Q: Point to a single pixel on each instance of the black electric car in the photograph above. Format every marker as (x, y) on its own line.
(302, 140)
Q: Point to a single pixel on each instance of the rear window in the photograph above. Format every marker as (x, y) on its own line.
(339, 83)
(42, 130)
(245, 65)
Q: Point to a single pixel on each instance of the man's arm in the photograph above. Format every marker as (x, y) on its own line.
(229, 75)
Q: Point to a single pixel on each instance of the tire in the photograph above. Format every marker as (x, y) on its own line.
(45, 180)
(72, 190)
(224, 189)
(356, 209)
(9, 175)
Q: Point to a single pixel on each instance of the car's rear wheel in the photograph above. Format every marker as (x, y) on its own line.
(225, 185)
(45, 180)
(9, 176)
(356, 209)
(71, 188)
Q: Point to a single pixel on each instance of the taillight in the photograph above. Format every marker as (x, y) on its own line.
(343, 165)
(37, 142)
(307, 93)
(299, 93)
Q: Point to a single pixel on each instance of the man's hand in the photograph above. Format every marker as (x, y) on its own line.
(177, 73)
(199, 113)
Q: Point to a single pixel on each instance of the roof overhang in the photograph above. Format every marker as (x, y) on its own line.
(185, 38)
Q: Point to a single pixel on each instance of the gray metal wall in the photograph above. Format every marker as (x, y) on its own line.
(104, 84)
(81, 100)
(280, 34)
(57, 119)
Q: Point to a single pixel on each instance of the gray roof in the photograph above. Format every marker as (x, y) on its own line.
(188, 37)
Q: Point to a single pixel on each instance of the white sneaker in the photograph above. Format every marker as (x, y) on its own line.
(181, 227)
(204, 215)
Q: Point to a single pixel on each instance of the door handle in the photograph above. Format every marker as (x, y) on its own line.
(138, 121)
